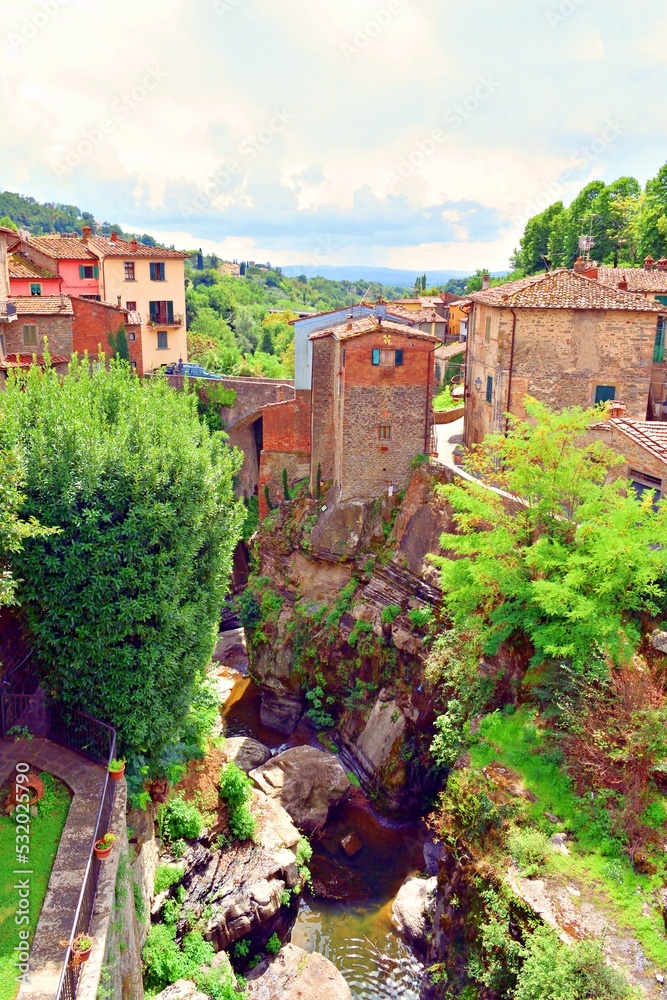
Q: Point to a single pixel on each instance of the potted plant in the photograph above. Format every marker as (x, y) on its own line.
(81, 947)
(116, 769)
(103, 847)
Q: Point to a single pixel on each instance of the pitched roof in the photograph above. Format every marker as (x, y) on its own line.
(370, 324)
(25, 360)
(414, 315)
(62, 247)
(639, 279)
(649, 434)
(106, 247)
(562, 289)
(22, 267)
(42, 305)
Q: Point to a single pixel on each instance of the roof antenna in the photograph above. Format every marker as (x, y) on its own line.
(365, 294)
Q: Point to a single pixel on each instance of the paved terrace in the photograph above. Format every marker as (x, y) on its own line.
(86, 781)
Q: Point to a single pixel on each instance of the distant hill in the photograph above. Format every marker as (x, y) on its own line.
(385, 275)
(41, 218)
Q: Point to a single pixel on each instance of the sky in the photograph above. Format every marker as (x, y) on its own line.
(399, 133)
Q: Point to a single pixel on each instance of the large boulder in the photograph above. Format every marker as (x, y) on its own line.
(307, 782)
(296, 975)
(245, 752)
(182, 989)
(659, 641)
(412, 910)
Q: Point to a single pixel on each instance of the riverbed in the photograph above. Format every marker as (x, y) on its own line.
(353, 931)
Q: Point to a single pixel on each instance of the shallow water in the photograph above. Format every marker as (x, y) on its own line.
(355, 932)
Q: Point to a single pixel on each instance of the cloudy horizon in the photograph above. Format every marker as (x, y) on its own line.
(397, 133)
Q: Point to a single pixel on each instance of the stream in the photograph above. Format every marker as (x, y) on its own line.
(355, 932)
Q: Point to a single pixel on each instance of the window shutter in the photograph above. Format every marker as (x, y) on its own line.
(170, 312)
(152, 267)
(82, 271)
(398, 356)
(489, 388)
(96, 271)
(376, 355)
(152, 309)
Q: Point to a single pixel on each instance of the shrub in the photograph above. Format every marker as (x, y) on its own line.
(445, 401)
(165, 963)
(242, 948)
(304, 853)
(167, 875)
(236, 790)
(390, 613)
(273, 945)
(450, 738)
(530, 849)
(180, 820)
(420, 617)
(554, 971)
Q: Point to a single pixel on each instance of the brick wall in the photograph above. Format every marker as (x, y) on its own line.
(92, 324)
(560, 356)
(285, 445)
(57, 329)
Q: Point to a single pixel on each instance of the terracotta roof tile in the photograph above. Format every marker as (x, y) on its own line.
(562, 289)
(62, 247)
(124, 248)
(25, 360)
(370, 324)
(42, 305)
(413, 315)
(21, 267)
(638, 279)
(649, 434)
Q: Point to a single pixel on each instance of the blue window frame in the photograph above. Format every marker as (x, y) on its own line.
(604, 393)
(489, 388)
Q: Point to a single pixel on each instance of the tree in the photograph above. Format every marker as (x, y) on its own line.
(567, 558)
(8, 223)
(14, 531)
(123, 604)
(534, 244)
(118, 343)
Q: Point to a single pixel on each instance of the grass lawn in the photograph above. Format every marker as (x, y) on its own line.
(595, 860)
(45, 831)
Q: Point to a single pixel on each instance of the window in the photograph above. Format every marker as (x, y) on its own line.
(659, 346)
(161, 312)
(131, 335)
(35, 288)
(2, 345)
(133, 364)
(604, 393)
(162, 344)
(384, 432)
(131, 306)
(489, 389)
(643, 483)
(387, 357)
(487, 330)
(438, 372)
(89, 271)
(129, 270)
(157, 271)
(30, 335)
(92, 298)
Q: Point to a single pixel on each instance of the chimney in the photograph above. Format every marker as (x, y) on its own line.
(617, 409)
(133, 243)
(579, 266)
(648, 263)
(662, 264)
(623, 284)
(486, 280)
(591, 272)
(114, 236)
(87, 233)
(118, 301)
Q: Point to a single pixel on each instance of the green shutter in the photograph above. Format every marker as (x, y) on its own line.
(170, 312)
(96, 271)
(152, 267)
(376, 355)
(604, 393)
(82, 271)
(398, 357)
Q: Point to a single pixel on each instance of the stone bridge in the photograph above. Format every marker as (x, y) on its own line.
(251, 395)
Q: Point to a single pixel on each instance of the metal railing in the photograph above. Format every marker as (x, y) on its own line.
(22, 704)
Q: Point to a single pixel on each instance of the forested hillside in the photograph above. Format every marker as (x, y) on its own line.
(51, 217)
(627, 222)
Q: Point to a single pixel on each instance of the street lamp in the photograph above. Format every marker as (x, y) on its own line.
(478, 384)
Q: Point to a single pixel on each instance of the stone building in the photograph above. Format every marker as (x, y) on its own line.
(643, 444)
(561, 337)
(371, 412)
(41, 322)
(93, 322)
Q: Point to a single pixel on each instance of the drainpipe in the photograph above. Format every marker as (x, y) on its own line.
(511, 366)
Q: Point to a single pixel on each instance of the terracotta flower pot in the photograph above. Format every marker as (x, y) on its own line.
(117, 775)
(79, 955)
(102, 852)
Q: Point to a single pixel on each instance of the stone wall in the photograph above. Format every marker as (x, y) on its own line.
(56, 328)
(285, 445)
(92, 324)
(322, 421)
(560, 356)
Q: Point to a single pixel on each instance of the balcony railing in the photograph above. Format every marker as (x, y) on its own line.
(165, 319)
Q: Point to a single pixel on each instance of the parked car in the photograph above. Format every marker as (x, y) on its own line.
(191, 370)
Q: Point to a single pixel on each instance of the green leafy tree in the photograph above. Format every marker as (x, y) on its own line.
(123, 603)
(534, 244)
(563, 555)
(14, 529)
